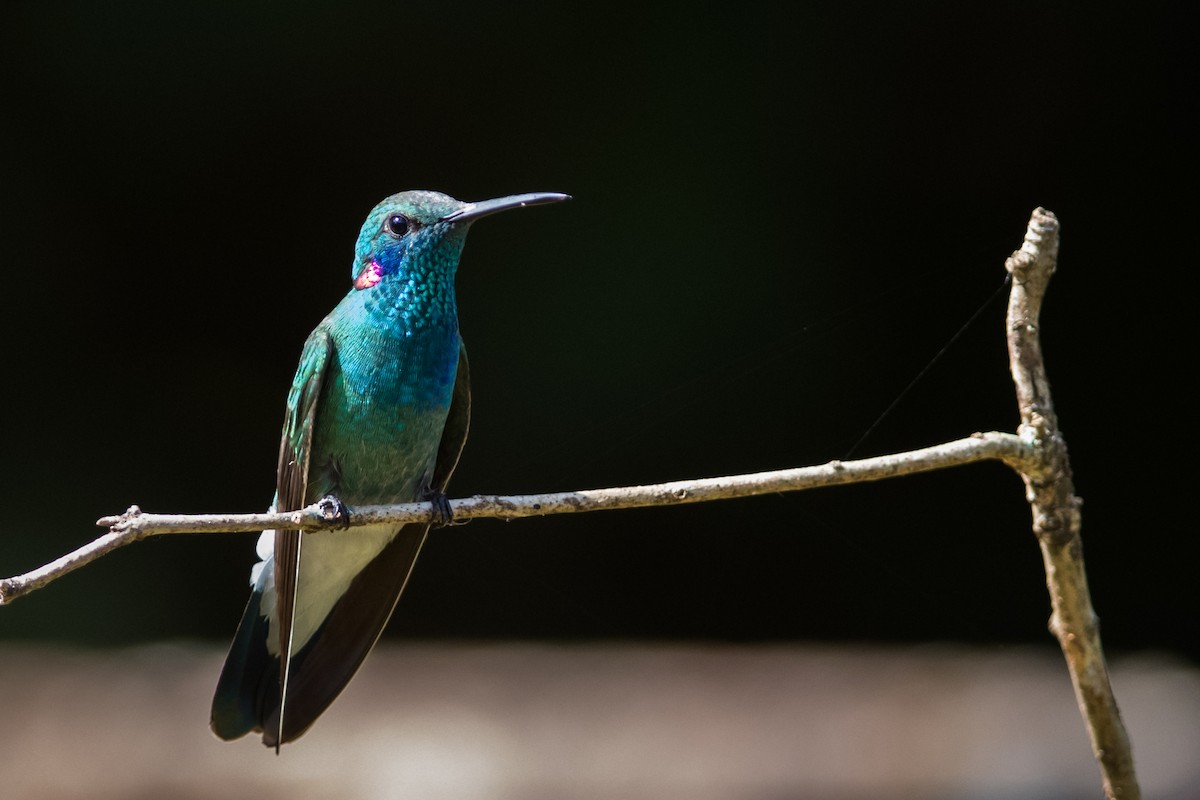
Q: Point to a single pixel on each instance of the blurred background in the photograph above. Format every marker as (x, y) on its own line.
(781, 215)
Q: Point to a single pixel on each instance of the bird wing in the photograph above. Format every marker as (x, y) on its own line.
(458, 423)
(324, 665)
(295, 454)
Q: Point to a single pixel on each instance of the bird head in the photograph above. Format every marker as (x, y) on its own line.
(424, 230)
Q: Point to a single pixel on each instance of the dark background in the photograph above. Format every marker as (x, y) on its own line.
(780, 217)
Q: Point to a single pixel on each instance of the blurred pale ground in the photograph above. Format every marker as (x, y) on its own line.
(537, 722)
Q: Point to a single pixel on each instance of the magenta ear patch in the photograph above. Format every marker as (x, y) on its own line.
(371, 275)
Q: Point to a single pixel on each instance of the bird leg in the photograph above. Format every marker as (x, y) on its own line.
(443, 515)
(335, 510)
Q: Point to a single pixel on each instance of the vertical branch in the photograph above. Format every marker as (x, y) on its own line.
(1056, 519)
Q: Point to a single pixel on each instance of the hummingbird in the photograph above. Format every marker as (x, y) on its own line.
(378, 413)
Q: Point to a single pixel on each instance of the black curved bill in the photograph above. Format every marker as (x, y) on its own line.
(486, 207)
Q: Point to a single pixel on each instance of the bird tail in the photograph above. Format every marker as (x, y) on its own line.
(247, 695)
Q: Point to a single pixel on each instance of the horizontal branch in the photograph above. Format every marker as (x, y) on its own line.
(135, 525)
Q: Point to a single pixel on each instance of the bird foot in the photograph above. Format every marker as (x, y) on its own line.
(443, 515)
(334, 510)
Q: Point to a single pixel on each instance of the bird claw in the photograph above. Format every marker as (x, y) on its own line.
(443, 515)
(334, 510)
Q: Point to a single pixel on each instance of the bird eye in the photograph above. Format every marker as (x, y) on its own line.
(397, 225)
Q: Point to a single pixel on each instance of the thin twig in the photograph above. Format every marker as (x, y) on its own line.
(135, 525)
(1056, 518)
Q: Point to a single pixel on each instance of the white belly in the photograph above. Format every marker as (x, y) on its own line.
(329, 560)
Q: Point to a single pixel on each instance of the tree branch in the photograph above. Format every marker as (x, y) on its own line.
(1038, 453)
(1050, 489)
(135, 525)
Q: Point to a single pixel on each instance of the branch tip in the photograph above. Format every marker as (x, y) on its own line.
(120, 522)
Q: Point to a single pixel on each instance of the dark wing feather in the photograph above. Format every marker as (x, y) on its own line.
(323, 667)
(250, 688)
(295, 455)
